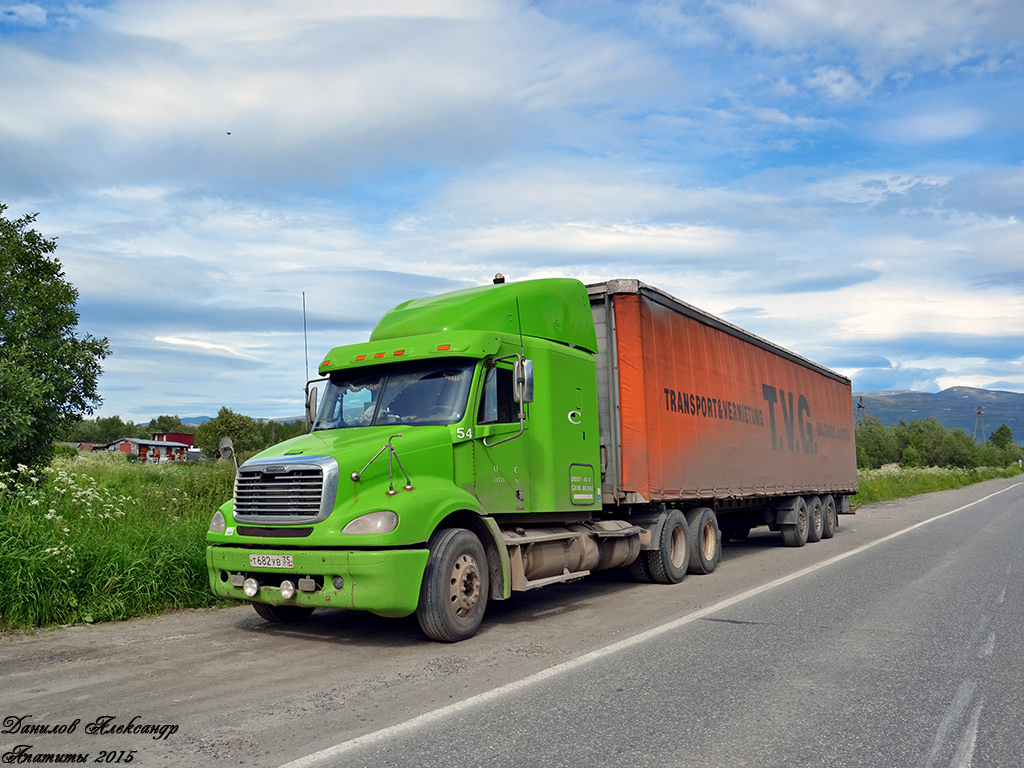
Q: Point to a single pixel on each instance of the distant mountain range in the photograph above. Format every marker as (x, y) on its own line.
(955, 408)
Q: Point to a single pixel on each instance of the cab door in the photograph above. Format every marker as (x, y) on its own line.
(501, 455)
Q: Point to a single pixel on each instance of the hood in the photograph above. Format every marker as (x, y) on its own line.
(422, 451)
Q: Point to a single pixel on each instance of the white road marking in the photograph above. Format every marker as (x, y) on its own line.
(965, 752)
(963, 697)
(325, 756)
(990, 645)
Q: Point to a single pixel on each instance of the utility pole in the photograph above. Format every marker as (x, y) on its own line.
(979, 418)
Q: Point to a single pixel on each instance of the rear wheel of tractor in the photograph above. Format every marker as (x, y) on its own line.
(453, 596)
(795, 534)
(815, 519)
(668, 563)
(829, 517)
(705, 540)
(639, 570)
(283, 614)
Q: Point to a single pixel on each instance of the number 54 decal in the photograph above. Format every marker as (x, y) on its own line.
(463, 433)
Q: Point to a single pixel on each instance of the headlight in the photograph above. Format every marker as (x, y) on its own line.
(218, 524)
(384, 521)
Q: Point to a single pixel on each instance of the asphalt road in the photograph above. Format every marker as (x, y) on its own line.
(900, 642)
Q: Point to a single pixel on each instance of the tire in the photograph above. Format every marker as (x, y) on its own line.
(453, 596)
(668, 563)
(815, 519)
(639, 571)
(283, 614)
(705, 540)
(830, 518)
(795, 534)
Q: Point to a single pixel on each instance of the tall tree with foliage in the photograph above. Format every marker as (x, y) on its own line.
(48, 373)
(244, 432)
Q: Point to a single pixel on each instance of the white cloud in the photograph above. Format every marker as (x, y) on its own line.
(884, 37)
(836, 83)
(933, 126)
(29, 14)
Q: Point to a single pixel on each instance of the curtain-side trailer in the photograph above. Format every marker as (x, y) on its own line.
(503, 438)
(697, 412)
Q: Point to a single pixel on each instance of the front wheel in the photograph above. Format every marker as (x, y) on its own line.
(453, 596)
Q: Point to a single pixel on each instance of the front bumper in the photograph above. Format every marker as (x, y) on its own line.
(384, 582)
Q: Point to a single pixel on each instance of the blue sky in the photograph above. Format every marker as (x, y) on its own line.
(843, 177)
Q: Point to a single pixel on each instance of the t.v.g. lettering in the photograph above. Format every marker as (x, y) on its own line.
(797, 421)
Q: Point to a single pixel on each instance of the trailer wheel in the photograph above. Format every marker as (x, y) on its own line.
(453, 596)
(668, 563)
(815, 519)
(795, 534)
(829, 517)
(705, 540)
(283, 614)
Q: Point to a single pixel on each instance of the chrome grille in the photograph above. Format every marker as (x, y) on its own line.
(284, 490)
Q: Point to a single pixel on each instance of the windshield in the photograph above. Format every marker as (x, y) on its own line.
(422, 392)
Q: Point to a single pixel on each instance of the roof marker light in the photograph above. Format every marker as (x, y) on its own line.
(399, 352)
(360, 358)
(443, 347)
(378, 356)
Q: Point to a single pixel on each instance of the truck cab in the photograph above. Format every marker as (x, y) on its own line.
(463, 416)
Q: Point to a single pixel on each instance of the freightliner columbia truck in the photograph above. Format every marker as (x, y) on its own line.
(503, 438)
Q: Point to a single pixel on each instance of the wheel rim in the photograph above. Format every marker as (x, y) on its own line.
(709, 541)
(678, 546)
(465, 585)
(802, 522)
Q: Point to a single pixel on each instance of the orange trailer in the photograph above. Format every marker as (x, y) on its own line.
(696, 410)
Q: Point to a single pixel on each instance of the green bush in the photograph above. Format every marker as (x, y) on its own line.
(96, 538)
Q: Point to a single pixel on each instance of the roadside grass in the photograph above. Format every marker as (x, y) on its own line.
(898, 482)
(96, 538)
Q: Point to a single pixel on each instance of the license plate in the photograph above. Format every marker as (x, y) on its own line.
(271, 561)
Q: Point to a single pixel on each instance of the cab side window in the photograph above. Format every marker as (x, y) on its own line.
(497, 403)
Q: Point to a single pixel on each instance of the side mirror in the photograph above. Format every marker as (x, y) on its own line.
(311, 407)
(522, 374)
(227, 450)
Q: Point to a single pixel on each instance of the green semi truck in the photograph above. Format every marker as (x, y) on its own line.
(502, 438)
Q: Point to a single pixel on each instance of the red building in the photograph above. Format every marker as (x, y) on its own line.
(152, 451)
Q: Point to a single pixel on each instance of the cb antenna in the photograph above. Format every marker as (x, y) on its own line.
(305, 339)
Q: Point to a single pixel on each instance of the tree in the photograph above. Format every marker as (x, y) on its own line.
(104, 429)
(48, 374)
(244, 432)
(170, 424)
(1002, 437)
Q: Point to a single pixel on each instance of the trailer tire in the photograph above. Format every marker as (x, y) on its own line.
(795, 534)
(453, 595)
(815, 519)
(668, 563)
(705, 540)
(283, 614)
(829, 517)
